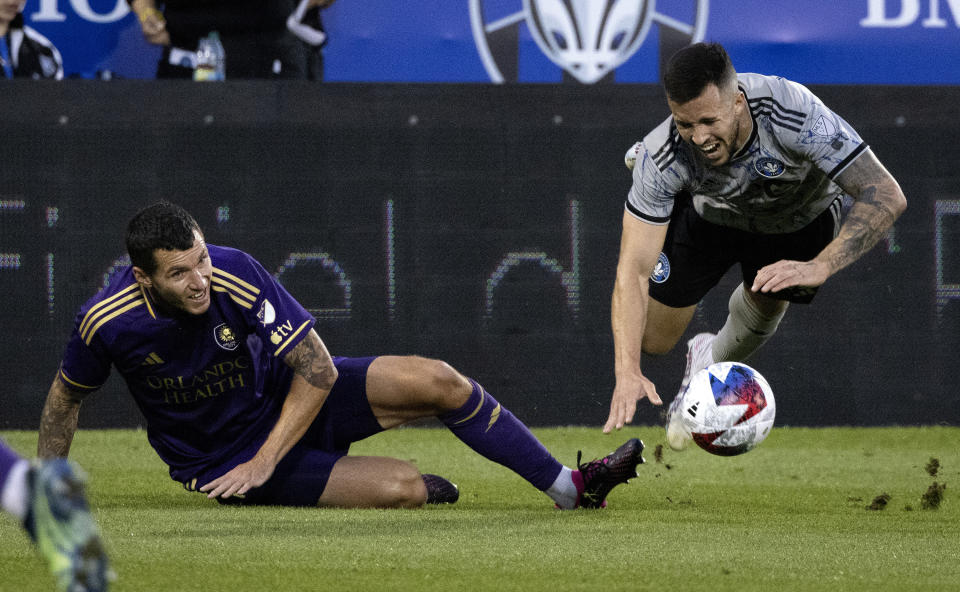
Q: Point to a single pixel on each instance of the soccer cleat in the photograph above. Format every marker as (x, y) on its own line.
(699, 356)
(439, 490)
(59, 522)
(678, 436)
(602, 475)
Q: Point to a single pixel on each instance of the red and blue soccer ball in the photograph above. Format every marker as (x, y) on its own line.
(727, 409)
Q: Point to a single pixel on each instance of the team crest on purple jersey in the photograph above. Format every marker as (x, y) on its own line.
(225, 337)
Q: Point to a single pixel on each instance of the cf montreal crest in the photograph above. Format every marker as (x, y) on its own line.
(588, 39)
(662, 270)
(769, 167)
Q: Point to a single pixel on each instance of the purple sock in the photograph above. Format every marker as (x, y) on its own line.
(8, 458)
(489, 429)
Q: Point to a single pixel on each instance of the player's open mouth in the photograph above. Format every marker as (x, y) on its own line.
(710, 149)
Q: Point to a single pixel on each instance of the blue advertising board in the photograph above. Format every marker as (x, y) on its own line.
(576, 41)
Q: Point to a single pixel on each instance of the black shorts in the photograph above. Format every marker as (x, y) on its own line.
(697, 254)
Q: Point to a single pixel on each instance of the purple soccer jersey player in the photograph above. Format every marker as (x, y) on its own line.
(244, 403)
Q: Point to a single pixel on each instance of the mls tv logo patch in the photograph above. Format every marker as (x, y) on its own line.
(588, 39)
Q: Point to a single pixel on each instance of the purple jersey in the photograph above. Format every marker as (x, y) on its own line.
(208, 385)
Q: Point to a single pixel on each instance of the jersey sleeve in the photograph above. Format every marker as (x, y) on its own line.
(273, 314)
(85, 367)
(825, 138)
(657, 176)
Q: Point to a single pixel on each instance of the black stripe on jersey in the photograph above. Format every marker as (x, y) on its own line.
(653, 219)
(784, 112)
(771, 117)
(778, 114)
(666, 164)
(666, 146)
(667, 153)
(846, 161)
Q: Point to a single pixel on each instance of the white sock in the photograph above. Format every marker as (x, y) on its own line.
(15, 495)
(702, 352)
(563, 491)
(747, 328)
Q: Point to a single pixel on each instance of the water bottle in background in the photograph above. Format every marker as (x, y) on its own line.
(211, 59)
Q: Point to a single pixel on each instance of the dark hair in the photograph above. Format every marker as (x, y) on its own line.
(163, 225)
(693, 68)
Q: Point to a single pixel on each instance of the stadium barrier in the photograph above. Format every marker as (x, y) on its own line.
(474, 223)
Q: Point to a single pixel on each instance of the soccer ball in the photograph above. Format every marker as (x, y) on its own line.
(727, 409)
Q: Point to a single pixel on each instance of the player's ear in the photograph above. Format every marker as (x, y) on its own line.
(740, 101)
(142, 278)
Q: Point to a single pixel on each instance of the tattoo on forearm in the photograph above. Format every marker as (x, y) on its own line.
(867, 222)
(310, 360)
(58, 424)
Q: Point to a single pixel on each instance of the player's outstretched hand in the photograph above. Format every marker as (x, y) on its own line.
(623, 405)
(240, 479)
(790, 274)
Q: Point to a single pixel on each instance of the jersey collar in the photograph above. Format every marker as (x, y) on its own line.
(745, 149)
(148, 299)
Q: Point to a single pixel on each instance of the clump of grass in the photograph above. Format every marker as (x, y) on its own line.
(933, 496)
(880, 502)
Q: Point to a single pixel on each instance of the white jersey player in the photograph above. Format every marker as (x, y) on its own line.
(748, 169)
(779, 181)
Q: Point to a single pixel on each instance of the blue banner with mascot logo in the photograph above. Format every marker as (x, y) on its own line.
(575, 41)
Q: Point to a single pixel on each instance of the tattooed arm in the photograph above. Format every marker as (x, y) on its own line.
(879, 201)
(314, 375)
(58, 422)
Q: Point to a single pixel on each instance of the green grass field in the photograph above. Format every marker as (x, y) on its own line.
(790, 515)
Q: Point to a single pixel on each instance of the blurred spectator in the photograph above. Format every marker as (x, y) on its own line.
(306, 23)
(253, 32)
(24, 53)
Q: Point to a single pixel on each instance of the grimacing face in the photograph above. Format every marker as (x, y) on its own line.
(182, 278)
(716, 123)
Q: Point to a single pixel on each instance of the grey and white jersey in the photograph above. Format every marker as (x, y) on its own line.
(778, 182)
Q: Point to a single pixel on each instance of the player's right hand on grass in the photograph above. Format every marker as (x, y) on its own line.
(627, 392)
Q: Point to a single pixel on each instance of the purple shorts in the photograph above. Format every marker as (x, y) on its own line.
(302, 474)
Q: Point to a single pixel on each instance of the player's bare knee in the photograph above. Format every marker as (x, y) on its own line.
(446, 388)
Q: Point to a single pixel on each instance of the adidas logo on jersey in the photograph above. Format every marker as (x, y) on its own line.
(152, 360)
